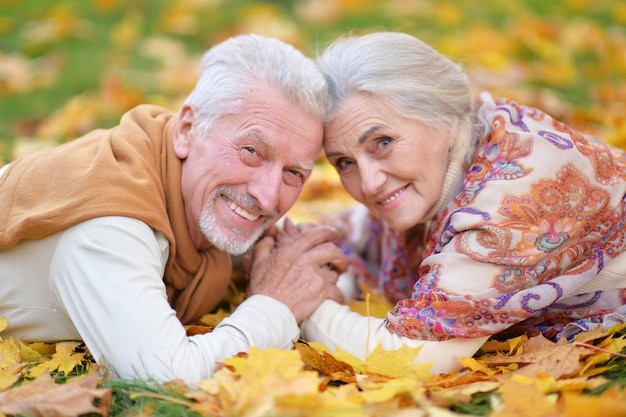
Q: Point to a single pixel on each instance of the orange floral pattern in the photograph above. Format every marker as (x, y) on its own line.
(540, 213)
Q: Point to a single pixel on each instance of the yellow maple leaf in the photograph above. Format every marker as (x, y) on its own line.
(9, 352)
(397, 363)
(378, 392)
(10, 361)
(463, 392)
(213, 319)
(28, 354)
(611, 403)
(373, 304)
(475, 365)
(4, 323)
(64, 360)
(325, 364)
(613, 344)
(251, 383)
(10, 374)
(539, 356)
(577, 385)
(356, 363)
(493, 345)
(522, 397)
(317, 405)
(42, 348)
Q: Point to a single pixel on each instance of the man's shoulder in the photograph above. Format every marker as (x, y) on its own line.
(149, 111)
(119, 231)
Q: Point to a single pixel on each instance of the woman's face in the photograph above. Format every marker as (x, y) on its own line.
(392, 164)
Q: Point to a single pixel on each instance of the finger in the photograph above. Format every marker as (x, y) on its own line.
(327, 254)
(272, 231)
(334, 293)
(329, 275)
(312, 237)
(339, 264)
(290, 230)
(246, 263)
(263, 248)
(306, 225)
(340, 225)
(289, 227)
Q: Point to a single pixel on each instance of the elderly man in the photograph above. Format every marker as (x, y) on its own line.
(120, 237)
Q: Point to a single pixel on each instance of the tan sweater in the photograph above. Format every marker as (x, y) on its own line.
(130, 170)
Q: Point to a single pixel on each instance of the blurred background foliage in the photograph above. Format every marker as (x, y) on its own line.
(70, 66)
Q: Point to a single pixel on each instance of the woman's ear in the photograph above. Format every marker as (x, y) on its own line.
(183, 132)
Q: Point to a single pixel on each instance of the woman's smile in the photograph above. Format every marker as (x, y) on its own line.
(394, 200)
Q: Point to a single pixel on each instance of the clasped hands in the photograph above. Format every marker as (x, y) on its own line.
(297, 265)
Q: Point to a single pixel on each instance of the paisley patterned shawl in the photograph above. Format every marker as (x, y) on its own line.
(540, 213)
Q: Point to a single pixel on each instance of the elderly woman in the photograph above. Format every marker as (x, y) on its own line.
(478, 215)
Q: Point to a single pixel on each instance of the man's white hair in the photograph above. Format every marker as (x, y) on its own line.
(231, 68)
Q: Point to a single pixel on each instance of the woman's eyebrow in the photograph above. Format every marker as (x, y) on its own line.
(361, 139)
(369, 133)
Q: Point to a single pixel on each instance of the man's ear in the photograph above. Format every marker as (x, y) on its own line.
(182, 133)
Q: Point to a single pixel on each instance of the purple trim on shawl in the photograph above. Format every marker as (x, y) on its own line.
(515, 117)
(557, 140)
(589, 303)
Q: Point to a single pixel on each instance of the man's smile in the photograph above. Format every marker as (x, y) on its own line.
(242, 212)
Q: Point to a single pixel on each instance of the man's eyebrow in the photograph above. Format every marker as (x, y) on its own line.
(303, 166)
(369, 132)
(257, 134)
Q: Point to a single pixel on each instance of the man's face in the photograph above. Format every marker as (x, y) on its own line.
(246, 172)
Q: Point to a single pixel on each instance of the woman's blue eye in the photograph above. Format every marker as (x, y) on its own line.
(384, 142)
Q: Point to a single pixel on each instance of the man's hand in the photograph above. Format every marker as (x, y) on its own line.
(298, 268)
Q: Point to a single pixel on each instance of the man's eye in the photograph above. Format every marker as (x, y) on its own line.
(296, 173)
(250, 156)
(294, 178)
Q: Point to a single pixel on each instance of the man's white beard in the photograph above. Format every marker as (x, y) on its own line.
(224, 240)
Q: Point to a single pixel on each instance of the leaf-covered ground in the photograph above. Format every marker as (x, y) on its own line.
(67, 67)
(524, 376)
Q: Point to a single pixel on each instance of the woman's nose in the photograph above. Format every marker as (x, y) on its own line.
(372, 178)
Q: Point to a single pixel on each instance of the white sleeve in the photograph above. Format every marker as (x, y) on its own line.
(337, 327)
(108, 275)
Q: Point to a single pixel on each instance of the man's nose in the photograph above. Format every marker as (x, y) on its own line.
(264, 187)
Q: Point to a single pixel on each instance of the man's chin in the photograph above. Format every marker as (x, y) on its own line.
(237, 244)
(240, 250)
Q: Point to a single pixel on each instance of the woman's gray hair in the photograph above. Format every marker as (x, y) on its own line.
(230, 68)
(410, 75)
